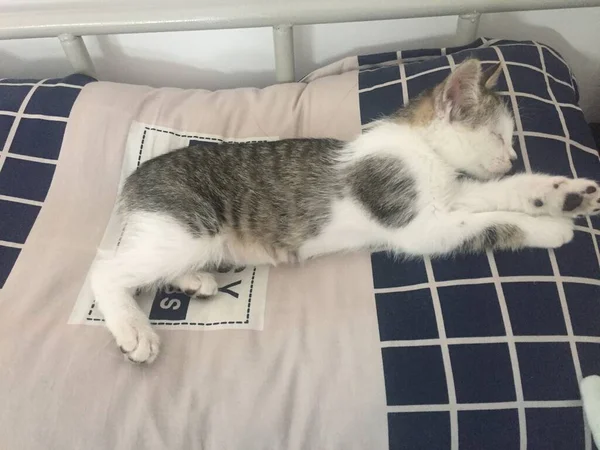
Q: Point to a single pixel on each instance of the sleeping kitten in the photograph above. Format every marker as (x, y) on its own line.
(400, 186)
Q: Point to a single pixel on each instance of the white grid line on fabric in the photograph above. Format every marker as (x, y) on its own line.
(561, 290)
(15, 125)
(439, 319)
(533, 44)
(512, 350)
(485, 406)
(42, 85)
(402, 69)
(491, 340)
(560, 114)
(541, 99)
(31, 158)
(489, 280)
(445, 348)
(20, 200)
(34, 116)
(537, 69)
(587, 229)
(437, 69)
(517, 116)
(561, 139)
(10, 244)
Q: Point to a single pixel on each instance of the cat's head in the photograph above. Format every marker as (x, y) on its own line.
(467, 123)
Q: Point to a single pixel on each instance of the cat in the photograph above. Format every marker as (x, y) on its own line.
(425, 181)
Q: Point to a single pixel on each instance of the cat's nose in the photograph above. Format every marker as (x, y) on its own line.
(512, 154)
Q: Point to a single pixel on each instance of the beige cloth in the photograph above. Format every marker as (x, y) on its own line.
(311, 379)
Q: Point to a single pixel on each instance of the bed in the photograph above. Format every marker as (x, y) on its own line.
(346, 352)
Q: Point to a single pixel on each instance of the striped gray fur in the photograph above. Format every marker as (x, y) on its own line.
(497, 237)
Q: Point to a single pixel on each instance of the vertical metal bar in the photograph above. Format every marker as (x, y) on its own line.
(77, 54)
(283, 40)
(466, 28)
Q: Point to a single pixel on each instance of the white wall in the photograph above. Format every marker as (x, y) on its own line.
(231, 58)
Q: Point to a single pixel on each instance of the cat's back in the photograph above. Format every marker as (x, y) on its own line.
(270, 189)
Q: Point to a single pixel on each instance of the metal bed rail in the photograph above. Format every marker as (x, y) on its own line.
(69, 22)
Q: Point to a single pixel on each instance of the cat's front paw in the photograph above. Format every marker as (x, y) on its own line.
(135, 337)
(567, 197)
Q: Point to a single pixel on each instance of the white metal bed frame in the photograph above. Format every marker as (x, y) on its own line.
(69, 22)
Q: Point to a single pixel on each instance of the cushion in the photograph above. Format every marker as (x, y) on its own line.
(33, 118)
(488, 349)
(347, 351)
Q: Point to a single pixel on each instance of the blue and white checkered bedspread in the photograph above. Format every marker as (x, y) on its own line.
(485, 352)
(33, 117)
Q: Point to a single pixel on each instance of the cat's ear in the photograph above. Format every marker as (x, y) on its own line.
(462, 88)
(490, 76)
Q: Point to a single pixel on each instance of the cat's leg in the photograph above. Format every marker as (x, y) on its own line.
(154, 250)
(197, 284)
(534, 194)
(464, 232)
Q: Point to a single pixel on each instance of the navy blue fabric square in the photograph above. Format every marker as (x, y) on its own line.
(528, 80)
(589, 358)
(460, 267)
(460, 48)
(370, 78)
(25, 179)
(471, 310)
(77, 79)
(380, 102)
(555, 428)
(483, 54)
(12, 97)
(424, 53)
(38, 137)
(17, 221)
(5, 124)
(584, 308)
(52, 101)
(414, 376)
(391, 271)
(169, 305)
(555, 66)
(534, 309)
(530, 261)
(586, 164)
(406, 315)
(489, 430)
(419, 431)
(8, 257)
(423, 82)
(548, 156)
(482, 373)
(578, 258)
(539, 116)
(525, 54)
(547, 371)
(376, 58)
(579, 131)
(415, 69)
(562, 92)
